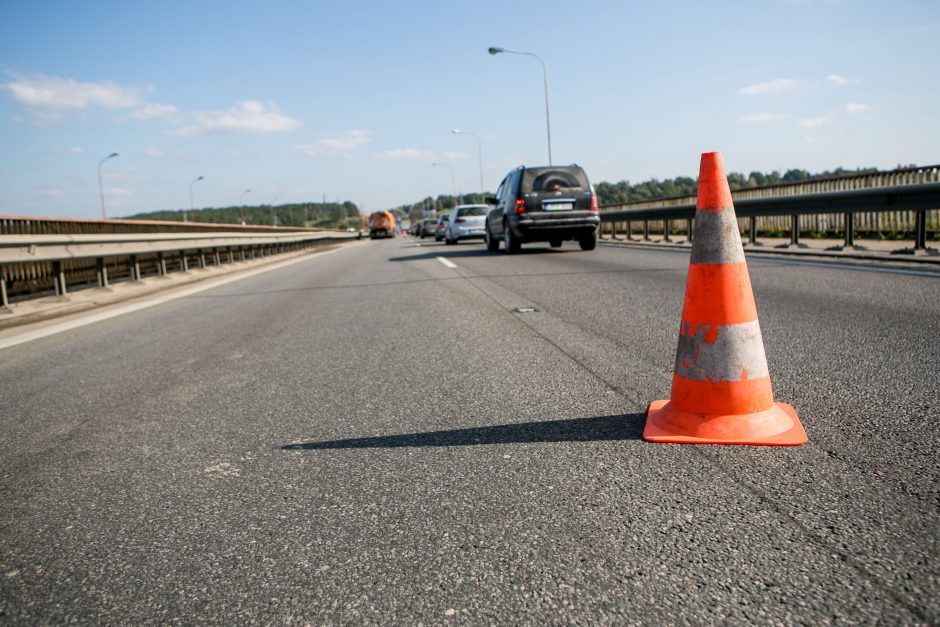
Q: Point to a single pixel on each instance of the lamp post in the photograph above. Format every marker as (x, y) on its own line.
(241, 205)
(192, 209)
(548, 126)
(104, 213)
(453, 183)
(457, 131)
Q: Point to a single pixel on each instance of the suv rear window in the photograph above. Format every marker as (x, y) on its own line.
(473, 211)
(553, 179)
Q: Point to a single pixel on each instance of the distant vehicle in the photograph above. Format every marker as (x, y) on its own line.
(440, 226)
(543, 204)
(426, 227)
(381, 224)
(466, 222)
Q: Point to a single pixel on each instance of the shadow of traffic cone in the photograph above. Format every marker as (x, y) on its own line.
(721, 385)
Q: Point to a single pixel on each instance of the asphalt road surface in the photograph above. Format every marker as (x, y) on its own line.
(372, 436)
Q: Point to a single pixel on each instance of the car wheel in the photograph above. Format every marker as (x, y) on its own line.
(589, 242)
(492, 244)
(555, 243)
(510, 241)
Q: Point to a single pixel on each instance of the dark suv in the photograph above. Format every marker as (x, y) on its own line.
(543, 204)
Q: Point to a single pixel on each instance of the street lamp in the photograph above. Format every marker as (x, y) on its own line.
(457, 131)
(104, 214)
(548, 126)
(241, 205)
(191, 207)
(453, 183)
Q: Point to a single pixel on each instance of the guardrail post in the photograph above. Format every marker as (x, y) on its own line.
(102, 270)
(613, 230)
(231, 255)
(646, 230)
(752, 239)
(161, 264)
(134, 266)
(629, 229)
(920, 230)
(4, 301)
(666, 231)
(241, 250)
(688, 229)
(202, 259)
(184, 263)
(58, 275)
(218, 260)
(794, 230)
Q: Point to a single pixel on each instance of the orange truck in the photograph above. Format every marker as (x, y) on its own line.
(381, 224)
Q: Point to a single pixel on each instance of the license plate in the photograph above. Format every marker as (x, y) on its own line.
(557, 206)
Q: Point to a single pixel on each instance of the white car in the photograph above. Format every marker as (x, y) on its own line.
(466, 222)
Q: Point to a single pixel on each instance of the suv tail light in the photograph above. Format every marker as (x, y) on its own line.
(594, 202)
(460, 220)
(520, 206)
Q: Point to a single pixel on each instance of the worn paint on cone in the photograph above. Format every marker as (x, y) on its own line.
(721, 390)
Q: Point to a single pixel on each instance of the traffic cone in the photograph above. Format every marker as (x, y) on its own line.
(720, 386)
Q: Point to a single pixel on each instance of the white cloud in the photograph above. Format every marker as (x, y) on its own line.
(333, 144)
(769, 87)
(154, 151)
(453, 156)
(812, 122)
(53, 92)
(248, 116)
(856, 108)
(407, 153)
(837, 80)
(762, 118)
(154, 110)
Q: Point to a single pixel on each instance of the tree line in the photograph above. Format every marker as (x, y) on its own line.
(311, 215)
(346, 214)
(624, 191)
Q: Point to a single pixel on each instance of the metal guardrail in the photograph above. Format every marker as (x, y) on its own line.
(915, 198)
(36, 262)
(25, 225)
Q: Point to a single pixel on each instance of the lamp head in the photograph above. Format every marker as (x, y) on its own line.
(495, 50)
(113, 154)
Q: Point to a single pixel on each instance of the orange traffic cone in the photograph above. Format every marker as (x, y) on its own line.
(720, 386)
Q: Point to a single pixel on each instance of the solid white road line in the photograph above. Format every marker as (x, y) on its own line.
(28, 336)
(447, 262)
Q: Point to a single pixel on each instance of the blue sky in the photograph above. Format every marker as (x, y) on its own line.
(355, 100)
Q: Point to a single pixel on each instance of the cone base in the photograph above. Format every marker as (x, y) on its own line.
(776, 426)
